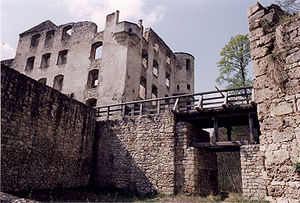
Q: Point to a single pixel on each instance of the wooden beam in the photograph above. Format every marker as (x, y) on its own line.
(219, 144)
(216, 128)
(251, 128)
(228, 129)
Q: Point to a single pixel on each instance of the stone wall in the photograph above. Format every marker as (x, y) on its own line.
(196, 170)
(253, 184)
(46, 137)
(136, 154)
(275, 44)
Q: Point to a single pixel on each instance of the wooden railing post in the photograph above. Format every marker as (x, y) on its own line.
(123, 111)
(251, 127)
(175, 107)
(200, 104)
(141, 109)
(225, 103)
(158, 107)
(107, 115)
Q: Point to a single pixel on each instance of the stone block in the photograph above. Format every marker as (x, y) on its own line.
(254, 8)
(281, 109)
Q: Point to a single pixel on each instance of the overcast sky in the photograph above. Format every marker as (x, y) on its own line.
(199, 27)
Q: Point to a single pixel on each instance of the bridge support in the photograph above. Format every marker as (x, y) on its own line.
(216, 127)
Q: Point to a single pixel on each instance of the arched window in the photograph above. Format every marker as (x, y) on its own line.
(93, 78)
(154, 92)
(67, 32)
(145, 58)
(35, 40)
(155, 68)
(143, 87)
(91, 102)
(43, 81)
(58, 82)
(96, 50)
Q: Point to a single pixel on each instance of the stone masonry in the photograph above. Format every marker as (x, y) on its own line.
(252, 172)
(46, 137)
(275, 44)
(137, 154)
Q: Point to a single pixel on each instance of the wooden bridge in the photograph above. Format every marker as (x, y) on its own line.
(212, 109)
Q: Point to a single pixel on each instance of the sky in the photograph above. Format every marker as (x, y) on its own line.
(199, 27)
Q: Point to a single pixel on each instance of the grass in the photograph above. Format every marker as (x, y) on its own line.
(104, 195)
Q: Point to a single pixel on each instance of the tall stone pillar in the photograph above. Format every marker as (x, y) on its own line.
(275, 45)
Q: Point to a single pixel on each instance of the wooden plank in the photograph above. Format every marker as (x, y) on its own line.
(219, 144)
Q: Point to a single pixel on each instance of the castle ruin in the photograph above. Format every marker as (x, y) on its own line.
(122, 63)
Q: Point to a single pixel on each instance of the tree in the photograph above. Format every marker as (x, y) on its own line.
(233, 64)
(291, 6)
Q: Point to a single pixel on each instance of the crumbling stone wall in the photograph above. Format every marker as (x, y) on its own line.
(46, 137)
(275, 44)
(137, 154)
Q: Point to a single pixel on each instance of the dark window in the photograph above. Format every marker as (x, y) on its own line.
(49, 37)
(177, 87)
(66, 33)
(93, 78)
(58, 82)
(29, 63)
(62, 57)
(45, 60)
(188, 64)
(145, 58)
(154, 92)
(43, 81)
(143, 87)
(168, 59)
(96, 50)
(188, 86)
(35, 40)
(155, 68)
(91, 102)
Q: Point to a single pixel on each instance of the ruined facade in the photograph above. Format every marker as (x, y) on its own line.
(122, 63)
(275, 45)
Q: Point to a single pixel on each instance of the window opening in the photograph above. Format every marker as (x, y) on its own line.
(154, 92)
(29, 63)
(67, 32)
(188, 64)
(93, 78)
(43, 81)
(188, 86)
(156, 47)
(35, 40)
(58, 82)
(62, 57)
(168, 79)
(145, 58)
(143, 85)
(155, 68)
(49, 37)
(177, 87)
(96, 50)
(45, 60)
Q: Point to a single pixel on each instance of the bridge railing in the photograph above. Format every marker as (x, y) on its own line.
(181, 103)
